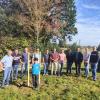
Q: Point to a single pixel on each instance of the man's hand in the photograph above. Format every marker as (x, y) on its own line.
(51, 59)
(21, 62)
(1, 66)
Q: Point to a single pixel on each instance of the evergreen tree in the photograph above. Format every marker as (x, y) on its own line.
(62, 18)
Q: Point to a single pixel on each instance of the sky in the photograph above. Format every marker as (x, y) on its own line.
(88, 22)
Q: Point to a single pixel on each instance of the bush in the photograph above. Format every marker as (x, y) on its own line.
(12, 43)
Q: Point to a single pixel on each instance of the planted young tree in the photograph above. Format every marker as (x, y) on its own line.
(39, 20)
(31, 16)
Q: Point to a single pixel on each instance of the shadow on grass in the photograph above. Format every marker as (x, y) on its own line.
(20, 84)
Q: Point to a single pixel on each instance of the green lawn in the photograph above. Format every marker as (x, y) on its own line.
(54, 88)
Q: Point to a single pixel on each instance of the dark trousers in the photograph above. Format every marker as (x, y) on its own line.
(35, 80)
(78, 67)
(61, 67)
(69, 67)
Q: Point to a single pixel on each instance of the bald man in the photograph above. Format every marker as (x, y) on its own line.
(6, 65)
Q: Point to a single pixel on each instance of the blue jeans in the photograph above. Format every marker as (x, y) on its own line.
(86, 69)
(94, 70)
(24, 69)
(6, 77)
(15, 71)
(46, 66)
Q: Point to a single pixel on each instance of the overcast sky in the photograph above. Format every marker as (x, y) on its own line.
(88, 22)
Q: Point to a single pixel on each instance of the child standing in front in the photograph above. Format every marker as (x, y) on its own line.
(35, 73)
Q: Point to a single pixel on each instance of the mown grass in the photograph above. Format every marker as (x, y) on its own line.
(68, 87)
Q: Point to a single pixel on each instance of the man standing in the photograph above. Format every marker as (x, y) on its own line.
(54, 57)
(16, 62)
(69, 57)
(24, 62)
(6, 65)
(46, 60)
(94, 57)
(37, 54)
(78, 60)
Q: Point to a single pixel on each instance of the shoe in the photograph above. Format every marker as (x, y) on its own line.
(33, 88)
(44, 74)
(47, 74)
(15, 78)
(6, 85)
(94, 79)
(37, 89)
(2, 86)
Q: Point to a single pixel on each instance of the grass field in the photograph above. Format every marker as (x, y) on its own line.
(68, 87)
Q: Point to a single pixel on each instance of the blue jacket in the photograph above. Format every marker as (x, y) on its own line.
(36, 69)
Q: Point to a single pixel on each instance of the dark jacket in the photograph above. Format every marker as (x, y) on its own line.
(94, 57)
(69, 57)
(98, 69)
(79, 57)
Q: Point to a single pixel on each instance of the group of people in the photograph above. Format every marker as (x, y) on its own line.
(50, 59)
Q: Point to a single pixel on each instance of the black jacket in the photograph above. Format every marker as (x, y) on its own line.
(94, 57)
(69, 57)
(79, 57)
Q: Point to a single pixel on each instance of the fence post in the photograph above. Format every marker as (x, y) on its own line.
(28, 69)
